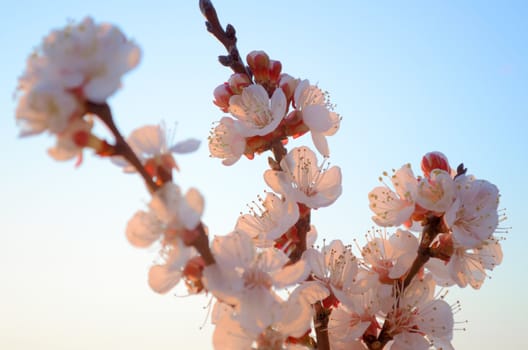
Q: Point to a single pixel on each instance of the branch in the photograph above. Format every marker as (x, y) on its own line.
(122, 148)
(227, 37)
(432, 227)
(198, 239)
(321, 318)
(303, 226)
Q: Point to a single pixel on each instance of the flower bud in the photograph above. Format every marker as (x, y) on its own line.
(237, 82)
(434, 160)
(192, 272)
(259, 63)
(222, 94)
(288, 84)
(257, 59)
(274, 68)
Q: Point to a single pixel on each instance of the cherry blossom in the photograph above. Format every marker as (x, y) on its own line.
(390, 258)
(91, 58)
(335, 267)
(437, 192)
(473, 216)
(269, 220)
(317, 113)
(244, 277)
(256, 113)
(418, 320)
(226, 142)
(393, 208)
(70, 142)
(291, 320)
(348, 324)
(303, 181)
(467, 266)
(170, 215)
(46, 107)
(154, 148)
(163, 276)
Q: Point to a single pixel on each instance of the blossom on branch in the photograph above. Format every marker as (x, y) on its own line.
(395, 207)
(256, 113)
(317, 113)
(303, 181)
(268, 220)
(169, 217)
(246, 278)
(154, 148)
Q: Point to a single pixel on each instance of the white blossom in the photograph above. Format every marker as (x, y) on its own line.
(317, 114)
(226, 142)
(303, 181)
(473, 216)
(256, 113)
(393, 208)
(268, 220)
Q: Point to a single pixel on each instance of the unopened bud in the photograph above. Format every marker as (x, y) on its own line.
(237, 82)
(259, 63)
(434, 160)
(288, 84)
(222, 94)
(274, 69)
(192, 272)
(194, 268)
(257, 59)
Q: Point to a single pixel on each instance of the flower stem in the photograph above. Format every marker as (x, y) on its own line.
(199, 240)
(432, 227)
(227, 37)
(430, 231)
(122, 148)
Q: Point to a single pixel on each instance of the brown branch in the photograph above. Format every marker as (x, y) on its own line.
(432, 227)
(302, 226)
(198, 239)
(321, 318)
(122, 148)
(279, 151)
(227, 37)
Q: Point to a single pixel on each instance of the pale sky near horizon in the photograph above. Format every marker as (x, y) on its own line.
(408, 77)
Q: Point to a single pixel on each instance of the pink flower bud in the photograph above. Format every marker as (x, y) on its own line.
(288, 84)
(257, 59)
(259, 63)
(192, 272)
(81, 138)
(194, 268)
(222, 94)
(274, 69)
(434, 160)
(238, 82)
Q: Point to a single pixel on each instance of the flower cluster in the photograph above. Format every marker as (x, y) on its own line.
(273, 287)
(272, 108)
(466, 207)
(81, 63)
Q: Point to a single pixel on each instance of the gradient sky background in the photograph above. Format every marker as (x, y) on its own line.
(408, 77)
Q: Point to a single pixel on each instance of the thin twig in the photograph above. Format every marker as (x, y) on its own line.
(431, 229)
(122, 148)
(321, 318)
(227, 37)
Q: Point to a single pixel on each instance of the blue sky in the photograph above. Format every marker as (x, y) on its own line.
(408, 77)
